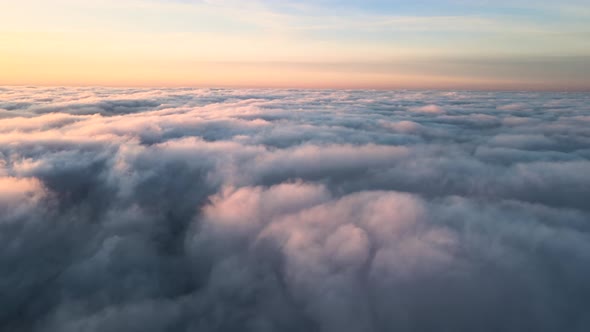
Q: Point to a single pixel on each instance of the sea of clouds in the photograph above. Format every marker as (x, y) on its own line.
(290, 210)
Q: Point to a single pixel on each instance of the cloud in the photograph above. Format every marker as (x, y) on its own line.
(264, 210)
(427, 109)
(406, 127)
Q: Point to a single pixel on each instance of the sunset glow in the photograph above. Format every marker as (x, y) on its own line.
(324, 44)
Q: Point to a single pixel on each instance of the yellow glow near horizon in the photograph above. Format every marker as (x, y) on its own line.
(222, 43)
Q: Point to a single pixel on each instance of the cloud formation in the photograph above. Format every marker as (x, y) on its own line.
(266, 210)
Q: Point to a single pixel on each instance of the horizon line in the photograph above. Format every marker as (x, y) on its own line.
(267, 87)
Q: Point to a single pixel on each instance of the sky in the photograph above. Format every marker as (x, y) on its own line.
(374, 44)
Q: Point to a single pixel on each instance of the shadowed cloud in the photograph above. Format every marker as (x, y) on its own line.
(293, 210)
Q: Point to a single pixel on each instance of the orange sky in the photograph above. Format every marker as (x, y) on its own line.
(233, 44)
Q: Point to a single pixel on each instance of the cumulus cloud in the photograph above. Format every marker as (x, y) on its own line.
(435, 109)
(266, 210)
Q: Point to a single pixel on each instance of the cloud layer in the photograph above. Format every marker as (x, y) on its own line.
(266, 210)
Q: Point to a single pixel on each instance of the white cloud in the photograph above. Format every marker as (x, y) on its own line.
(260, 210)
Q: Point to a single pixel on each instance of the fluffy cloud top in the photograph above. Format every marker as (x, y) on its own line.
(266, 210)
